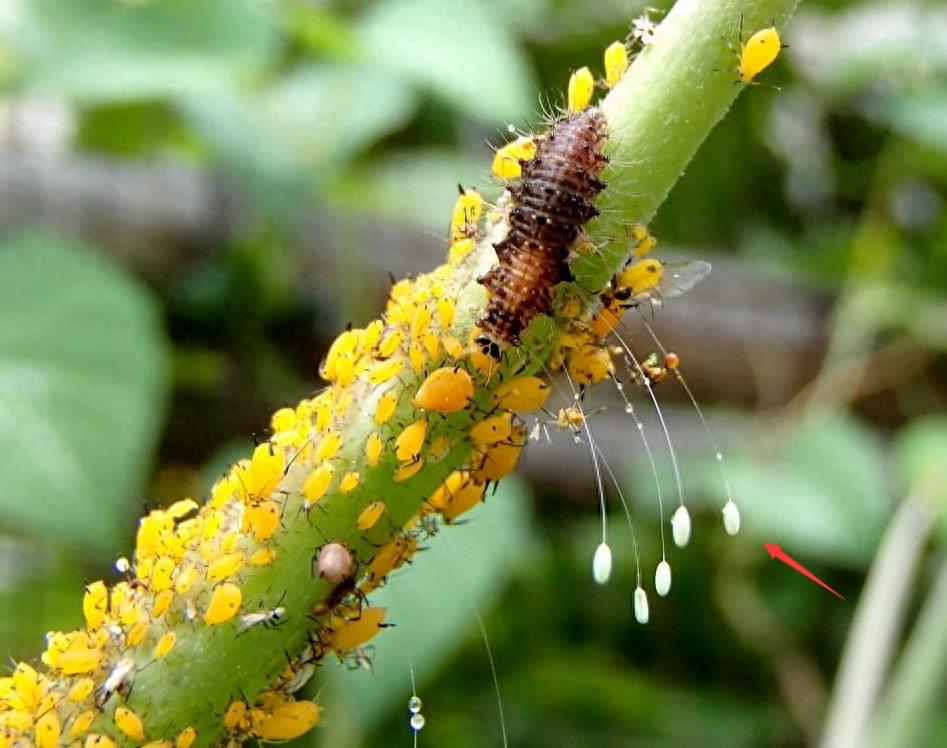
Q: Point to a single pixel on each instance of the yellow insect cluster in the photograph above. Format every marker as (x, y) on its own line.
(406, 392)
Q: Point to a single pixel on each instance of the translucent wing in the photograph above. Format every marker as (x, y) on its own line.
(678, 277)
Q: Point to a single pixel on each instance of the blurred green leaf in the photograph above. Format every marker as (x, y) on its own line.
(82, 369)
(823, 497)
(432, 604)
(921, 116)
(101, 50)
(460, 49)
(304, 128)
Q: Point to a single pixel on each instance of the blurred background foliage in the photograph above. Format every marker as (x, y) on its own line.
(196, 196)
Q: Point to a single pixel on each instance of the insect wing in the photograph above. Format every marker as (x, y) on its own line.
(678, 278)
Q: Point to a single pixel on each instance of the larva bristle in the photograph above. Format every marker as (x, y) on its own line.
(550, 203)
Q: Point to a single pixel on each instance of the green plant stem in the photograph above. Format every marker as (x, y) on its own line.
(919, 678)
(878, 620)
(658, 116)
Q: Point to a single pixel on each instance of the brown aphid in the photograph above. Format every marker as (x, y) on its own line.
(335, 563)
(550, 203)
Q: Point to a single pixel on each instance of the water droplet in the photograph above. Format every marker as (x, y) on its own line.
(731, 518)
(640, 599)
(629, 409)
(662, 578)
(681, 526)
(602, 563)
(719, 456)
(417, 722)
(414, 705)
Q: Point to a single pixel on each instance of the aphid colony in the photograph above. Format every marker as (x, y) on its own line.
(422, 412)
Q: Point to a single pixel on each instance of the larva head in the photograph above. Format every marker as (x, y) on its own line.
(335, 563)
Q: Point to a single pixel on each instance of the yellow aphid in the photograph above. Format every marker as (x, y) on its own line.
(372, 334)
(224, 604)
(445, 390)
(370, 515)
(459, 250)
(128, 612)
(94, 604)
(607, 319)
(328, 446)
(349, 482)
(162, 601)
(390, 344)
(522, 394)
(389, 557)
(491, 430)
(185, 738)
(81, 689)
(407, 470)
(81, 723)
(644, 240)
(589, 364)
(235, 714)
(185, 579)
(452, 346)
(581, 87)
(225, 566)
(759, 53)
(263, 474)
(431, 342)
(445, 313)
(288, 721)
(616, 63)
(262, 557)
(458, 494)
(640, 276)
(342, 404)
(161, 574)
(129, 723)
(283, 420)
(410, 441)
(317, 483)
(158, 744)
(47, 730)
(420, 321)
(500, 459)
(506, 161)
(349, 634)
(374, 446)
(27, 684)
(165, 644)
(134, 637)
(384, 371)
(467, 212)
(99, 741)
(416, 357)
(439, 448)
(385, 409)
(81, 658)
(342, 348)
(264, 520)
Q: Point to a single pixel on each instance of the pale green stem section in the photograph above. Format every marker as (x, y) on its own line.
(658, 116)
(877, 625)
(917, 685)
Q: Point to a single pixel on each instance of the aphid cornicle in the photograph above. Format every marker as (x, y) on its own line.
(550, 203)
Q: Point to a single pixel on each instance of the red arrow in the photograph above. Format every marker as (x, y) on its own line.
(776, 551)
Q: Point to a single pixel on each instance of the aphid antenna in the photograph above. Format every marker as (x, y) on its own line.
(458, 569)
(718, 453)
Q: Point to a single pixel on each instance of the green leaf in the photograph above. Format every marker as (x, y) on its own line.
(459, 49)
(303, 129)
(432, 603)
(82, 376)
(823, 497)
(101, 50)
